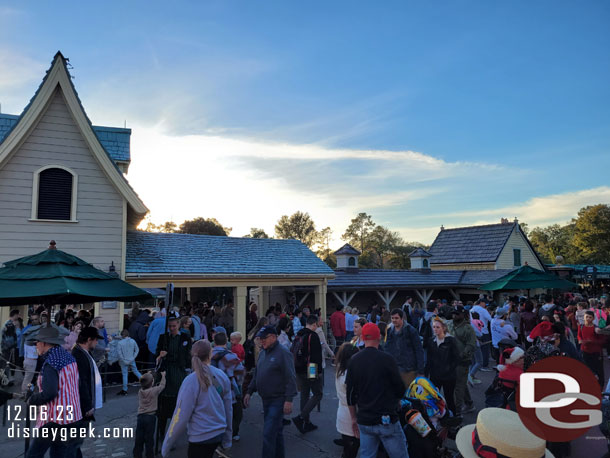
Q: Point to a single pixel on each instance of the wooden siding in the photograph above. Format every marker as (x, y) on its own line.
(97, 237)
(517, 241)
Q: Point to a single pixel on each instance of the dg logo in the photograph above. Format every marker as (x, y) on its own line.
(559, 399)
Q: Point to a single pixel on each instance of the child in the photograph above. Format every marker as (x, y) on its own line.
(591, 344)
(237, 347)
(147, 408)
(581, 308)
(127, 350)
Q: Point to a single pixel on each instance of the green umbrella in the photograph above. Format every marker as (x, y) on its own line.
(527, 277)
(56, 277)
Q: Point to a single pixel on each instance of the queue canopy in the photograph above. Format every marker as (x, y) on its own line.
(527, 277)
(56, 277)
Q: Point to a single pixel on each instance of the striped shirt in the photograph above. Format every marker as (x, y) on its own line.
(65, 407)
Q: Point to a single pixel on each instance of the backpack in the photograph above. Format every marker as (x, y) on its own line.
(218, 356)
(300, 354)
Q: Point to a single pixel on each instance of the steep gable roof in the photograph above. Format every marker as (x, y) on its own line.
(470, 244)
(58, 76)
(161, 253)
(419, 252)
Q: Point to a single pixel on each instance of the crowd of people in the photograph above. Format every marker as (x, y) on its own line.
(196, 375)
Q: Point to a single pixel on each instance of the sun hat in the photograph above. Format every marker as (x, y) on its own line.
(50, 335)
(499, 433)
(370, 331)
(266, 331)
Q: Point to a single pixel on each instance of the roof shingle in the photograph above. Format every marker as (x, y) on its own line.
(470, 244)
(151, 252)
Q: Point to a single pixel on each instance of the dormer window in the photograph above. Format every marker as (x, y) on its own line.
(426, 264)
(54, 194)
(351, 262)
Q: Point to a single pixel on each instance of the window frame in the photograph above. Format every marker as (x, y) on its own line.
(35, 190)
(515, 252)
(351, 261)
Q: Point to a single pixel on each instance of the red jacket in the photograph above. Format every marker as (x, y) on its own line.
(337, 324)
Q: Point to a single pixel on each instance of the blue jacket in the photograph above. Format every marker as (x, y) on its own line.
(156, 328)
(405, 346)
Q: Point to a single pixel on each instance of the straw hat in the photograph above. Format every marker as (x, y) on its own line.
(500, 431)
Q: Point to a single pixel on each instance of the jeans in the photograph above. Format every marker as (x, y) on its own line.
(477, 363)
(392, 437)
(486, 348)
(145, 435)
(125, 370)
(306, 385)
(57, 448)
(273, 428)
(29, 365)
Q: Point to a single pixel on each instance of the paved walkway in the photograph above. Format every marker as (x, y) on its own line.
(120, 412)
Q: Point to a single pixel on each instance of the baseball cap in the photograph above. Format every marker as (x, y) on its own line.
(370, 331)
(266, 330)
(459, 309)
(219, 330)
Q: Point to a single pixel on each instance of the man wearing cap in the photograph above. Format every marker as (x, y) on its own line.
(374, 388)
(275, 381)
(58, 398)
(90, 381)
(467, 342)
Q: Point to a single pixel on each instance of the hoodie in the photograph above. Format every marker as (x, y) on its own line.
(203, 413)
(138, 329)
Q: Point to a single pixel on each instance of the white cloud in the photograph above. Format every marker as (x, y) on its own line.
(18, 75)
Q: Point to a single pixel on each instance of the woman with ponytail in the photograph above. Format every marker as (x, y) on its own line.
(204, 407)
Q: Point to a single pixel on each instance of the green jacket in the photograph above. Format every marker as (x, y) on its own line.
(466, 340)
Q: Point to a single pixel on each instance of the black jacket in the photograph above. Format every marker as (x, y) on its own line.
(443, 359)
(373, 383)
(312, 348)
(86, 379)
(137, 329)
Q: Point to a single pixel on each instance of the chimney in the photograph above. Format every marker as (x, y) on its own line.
(52, 245)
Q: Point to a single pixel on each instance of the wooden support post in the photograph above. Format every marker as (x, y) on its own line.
(240, 312)
(320, 299)
(263, 299)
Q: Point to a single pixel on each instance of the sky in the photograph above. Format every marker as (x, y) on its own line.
(420, 114)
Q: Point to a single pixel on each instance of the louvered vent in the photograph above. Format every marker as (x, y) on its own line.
(55, 194)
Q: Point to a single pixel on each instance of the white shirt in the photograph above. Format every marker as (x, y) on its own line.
(344, 419)
(499, 332)
(484, 316)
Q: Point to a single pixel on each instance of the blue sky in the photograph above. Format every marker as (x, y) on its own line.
(419, 113)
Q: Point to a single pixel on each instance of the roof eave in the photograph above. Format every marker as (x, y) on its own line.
(156, 275)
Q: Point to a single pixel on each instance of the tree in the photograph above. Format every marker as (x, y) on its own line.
(204, 226)
(168, 226)
(257, 233)
(359, 231)
(298, 226)
(525, 228)
(592, 233)
(383, 242)
(324, 251)
(553, 241)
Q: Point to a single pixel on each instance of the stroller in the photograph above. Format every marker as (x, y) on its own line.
(426, 421)
(605, 424)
